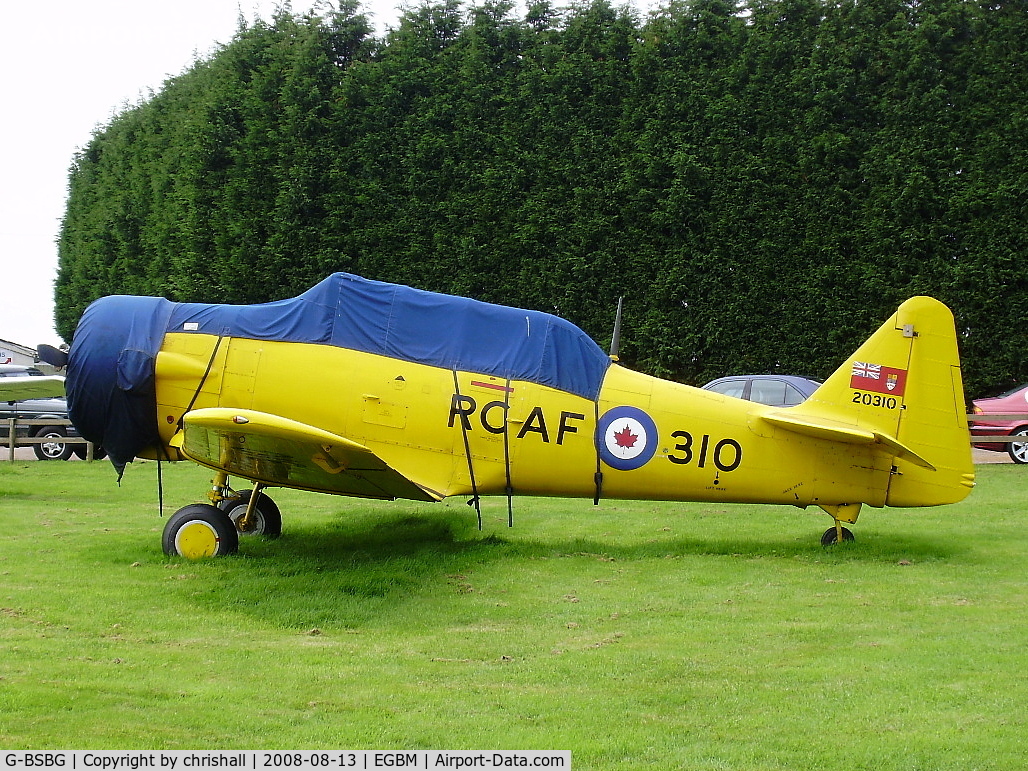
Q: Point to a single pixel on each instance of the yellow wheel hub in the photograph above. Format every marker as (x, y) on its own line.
(196, 539)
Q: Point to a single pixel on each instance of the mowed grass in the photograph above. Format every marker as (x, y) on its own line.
(637, 635)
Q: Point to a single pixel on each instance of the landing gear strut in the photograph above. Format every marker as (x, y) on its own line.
(253, 513)
(840, 512)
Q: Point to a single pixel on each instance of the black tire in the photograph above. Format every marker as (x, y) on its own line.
(266, 519)
(831, 537)
(1018, 451)
(55, 448)
(200, 530)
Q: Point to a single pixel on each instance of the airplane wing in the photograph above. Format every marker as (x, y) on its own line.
(31, 387)
(285, 453)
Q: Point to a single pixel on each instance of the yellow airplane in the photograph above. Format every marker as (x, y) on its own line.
(376, 390)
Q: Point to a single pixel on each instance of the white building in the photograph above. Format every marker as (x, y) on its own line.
(12, 353)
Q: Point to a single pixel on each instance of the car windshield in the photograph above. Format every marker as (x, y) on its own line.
(729, 388)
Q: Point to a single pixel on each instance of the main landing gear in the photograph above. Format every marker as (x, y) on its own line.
(212, 529)
(841, 512)
(200, 530)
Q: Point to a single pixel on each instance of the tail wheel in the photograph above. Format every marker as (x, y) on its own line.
(831, 536)
(200, 530)
(265, 520)
(1018, 451)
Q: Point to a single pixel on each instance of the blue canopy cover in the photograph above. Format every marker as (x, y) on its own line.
(111, 363)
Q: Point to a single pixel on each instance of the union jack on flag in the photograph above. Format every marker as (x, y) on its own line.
(878, 379)
(863, 369)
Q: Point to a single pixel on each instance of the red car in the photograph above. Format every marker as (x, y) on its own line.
(1011, 419)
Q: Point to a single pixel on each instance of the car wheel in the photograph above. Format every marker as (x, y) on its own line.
(1018, 451)
(53, 447)
(99, 453)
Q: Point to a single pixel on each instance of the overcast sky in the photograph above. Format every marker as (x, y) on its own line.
(66, 67)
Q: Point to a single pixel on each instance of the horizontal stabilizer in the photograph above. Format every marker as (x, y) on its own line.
(822, 428)
(285, 453)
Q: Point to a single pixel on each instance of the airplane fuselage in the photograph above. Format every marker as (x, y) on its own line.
(656, 439)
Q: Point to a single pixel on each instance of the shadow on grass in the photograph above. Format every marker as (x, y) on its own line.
(402, 534)
(355, 570)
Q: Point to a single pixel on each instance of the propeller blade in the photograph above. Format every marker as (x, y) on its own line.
(53, 356)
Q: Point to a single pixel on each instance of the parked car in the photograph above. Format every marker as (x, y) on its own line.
(55, 447)
(1012, 403)
(774, 390)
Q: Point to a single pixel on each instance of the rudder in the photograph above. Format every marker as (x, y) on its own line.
(904, 386)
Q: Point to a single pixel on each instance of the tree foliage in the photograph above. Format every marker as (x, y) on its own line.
(763, 181)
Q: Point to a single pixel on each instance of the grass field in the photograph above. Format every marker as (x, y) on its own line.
(637, 635)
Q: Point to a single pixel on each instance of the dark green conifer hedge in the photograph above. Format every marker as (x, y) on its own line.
(764, 182)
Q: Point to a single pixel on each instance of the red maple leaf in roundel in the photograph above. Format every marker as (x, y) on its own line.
(625, 438)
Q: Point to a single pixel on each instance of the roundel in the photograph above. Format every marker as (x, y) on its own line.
(626, 438)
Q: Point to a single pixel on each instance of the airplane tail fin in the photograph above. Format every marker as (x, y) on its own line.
(902, 392)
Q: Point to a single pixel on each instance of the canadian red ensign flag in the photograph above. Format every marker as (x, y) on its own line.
(875, 377)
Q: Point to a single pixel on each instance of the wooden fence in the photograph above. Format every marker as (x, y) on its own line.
(13, 441)
(1005, 438)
